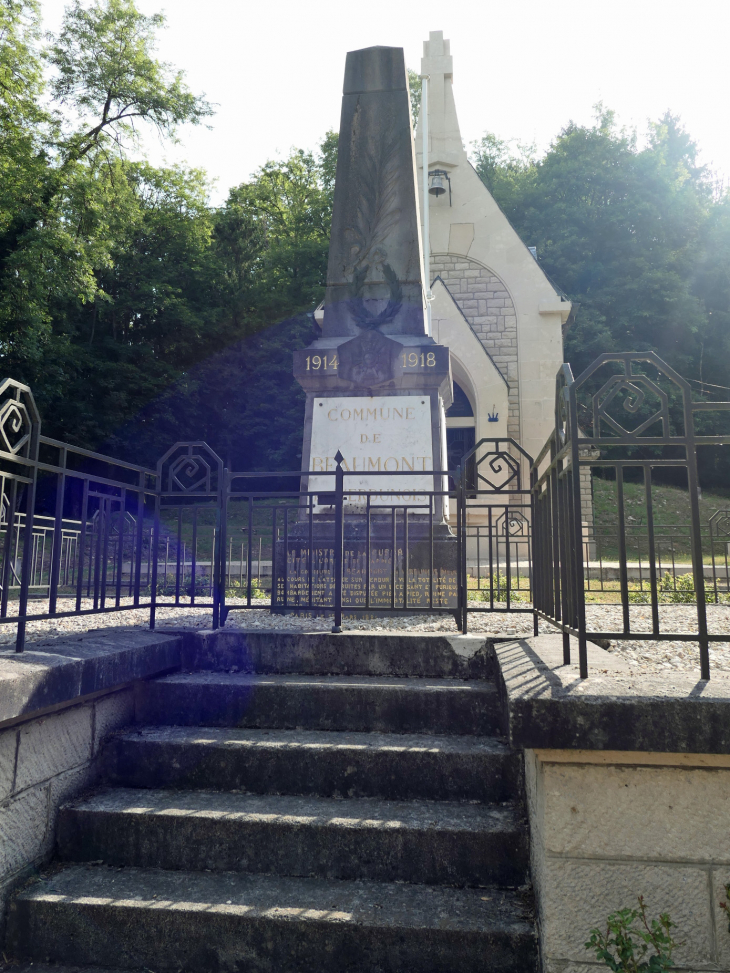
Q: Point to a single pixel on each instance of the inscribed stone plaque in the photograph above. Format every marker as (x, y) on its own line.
(388, 434)
(385, 565)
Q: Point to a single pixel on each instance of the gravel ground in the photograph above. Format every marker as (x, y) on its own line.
(640, 656)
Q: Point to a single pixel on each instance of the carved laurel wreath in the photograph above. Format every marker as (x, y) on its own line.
(363, 317)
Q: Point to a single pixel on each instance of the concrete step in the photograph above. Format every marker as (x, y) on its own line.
(429, 842)
(328, 763)
(226, 923)
(430, 655)
(358, 703)
(55, 968)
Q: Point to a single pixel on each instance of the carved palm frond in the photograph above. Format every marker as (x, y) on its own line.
(377, 209)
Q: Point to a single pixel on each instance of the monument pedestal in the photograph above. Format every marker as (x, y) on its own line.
(395, 425)
(373, 579)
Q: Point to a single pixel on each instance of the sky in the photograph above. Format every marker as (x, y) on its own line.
(274, 68)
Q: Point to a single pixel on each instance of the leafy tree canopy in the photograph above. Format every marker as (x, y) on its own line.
(638, 237)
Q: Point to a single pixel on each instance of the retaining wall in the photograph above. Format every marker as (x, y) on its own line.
(58, 702)
(627, 781)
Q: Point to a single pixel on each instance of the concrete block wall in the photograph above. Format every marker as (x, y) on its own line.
(44, 762)
(488, 306)
(609, 826)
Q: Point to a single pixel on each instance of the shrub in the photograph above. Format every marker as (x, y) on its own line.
(499, 584)
(629, 937)
(238, 590)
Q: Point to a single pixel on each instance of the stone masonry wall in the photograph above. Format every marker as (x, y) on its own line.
(488, 307)
(606, 827)
(44, 762)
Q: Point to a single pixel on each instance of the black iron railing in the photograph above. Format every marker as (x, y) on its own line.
(82, 533)
(630, 415)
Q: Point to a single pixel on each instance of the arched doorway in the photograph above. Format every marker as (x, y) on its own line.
(460, 427)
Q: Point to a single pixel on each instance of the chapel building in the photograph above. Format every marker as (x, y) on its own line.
(493, 306)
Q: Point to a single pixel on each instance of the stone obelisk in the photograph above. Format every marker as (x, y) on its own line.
(376, 382)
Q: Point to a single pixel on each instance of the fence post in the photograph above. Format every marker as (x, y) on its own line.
(698, 567)
(577, 517)
(460, 582)
(533, 550)
(339, 540)
(27, 539)
(57, 536)
(463, 566)
(218, 555)
(154, 545)
(219, 597)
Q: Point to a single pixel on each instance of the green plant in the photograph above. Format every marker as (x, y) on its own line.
(499, 587)
(679, 591)
(629, 937)
(168, 586)
(238, 590)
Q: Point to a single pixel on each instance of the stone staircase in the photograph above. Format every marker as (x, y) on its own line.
(333, 804)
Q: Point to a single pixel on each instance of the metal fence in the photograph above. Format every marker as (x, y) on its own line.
(83, 533)
(630, 415)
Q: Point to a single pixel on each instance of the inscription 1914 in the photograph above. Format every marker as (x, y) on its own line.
(418, 360)
(411, 359)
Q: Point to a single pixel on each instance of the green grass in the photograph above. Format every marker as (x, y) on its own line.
(671, 511)
(237, 520)
(671, 504)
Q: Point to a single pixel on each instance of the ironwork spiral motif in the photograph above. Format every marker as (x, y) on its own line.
(499, 462)
(190, 474)
(190, 468)
(635, 388)
(635, 399)
(513, 523)
(14, 426)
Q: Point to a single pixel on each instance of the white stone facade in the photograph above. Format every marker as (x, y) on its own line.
(499, 290)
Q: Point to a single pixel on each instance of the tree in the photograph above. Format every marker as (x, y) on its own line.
(272, 237)
(636, 239)
(63, 164)
(415, 86)
(619, 230)
(108, 76)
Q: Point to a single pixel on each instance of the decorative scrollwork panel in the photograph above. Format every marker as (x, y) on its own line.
(19, 420)
(190, 468)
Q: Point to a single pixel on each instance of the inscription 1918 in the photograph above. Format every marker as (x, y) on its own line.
(416, 360)
(411, 359)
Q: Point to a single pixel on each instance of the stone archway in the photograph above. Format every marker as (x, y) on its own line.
(487, 304)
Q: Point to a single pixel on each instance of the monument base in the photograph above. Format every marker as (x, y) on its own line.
(390, 567)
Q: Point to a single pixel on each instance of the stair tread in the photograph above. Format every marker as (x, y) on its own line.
(356, 812)
(401, 683)
(276, 739)
(357, 703)
(247, 896)
(54, 968)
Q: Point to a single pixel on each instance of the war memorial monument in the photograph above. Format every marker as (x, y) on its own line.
(377, 384)
(255, 796)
